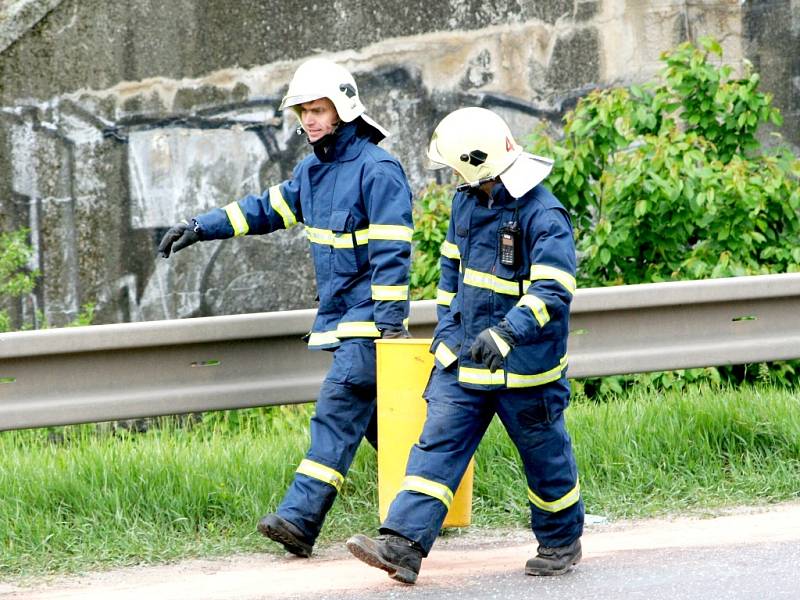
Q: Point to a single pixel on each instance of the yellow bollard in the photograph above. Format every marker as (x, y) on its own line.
(403, 369)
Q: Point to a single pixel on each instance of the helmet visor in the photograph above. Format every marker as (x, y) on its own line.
(434, 160)
(291, 101)
(432, 165)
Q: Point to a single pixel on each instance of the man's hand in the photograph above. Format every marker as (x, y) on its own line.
(178, 237)
(492, 345)
(395, 334)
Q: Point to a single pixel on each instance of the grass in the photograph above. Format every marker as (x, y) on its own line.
(84, 497)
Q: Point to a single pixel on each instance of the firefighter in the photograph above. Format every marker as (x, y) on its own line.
(500, 347)
(354, 201)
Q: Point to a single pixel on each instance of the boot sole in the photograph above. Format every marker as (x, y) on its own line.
(553, 572)
(365, 555)
(289, 542)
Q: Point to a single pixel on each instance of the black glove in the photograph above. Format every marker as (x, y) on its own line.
(395, 334)
(492, 345)
(178, 237)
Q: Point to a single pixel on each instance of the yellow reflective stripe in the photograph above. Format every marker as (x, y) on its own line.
(450, 250)
(362, 236)
(398, 233)
(321, 472)
(444, 355)
(548, 272)
(279, 205)
(481, 376)
(538, 308)
(412, 483)
(337, 239)
(444, 297)
(501, 343)
(343, 240)
(357, 329)
(567, 500)
(236, 217)
(492, 282)
(319, 236)
(516, 380)
(322, 338)
(389, 292)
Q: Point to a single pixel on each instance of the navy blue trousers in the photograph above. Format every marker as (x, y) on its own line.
(345, 413)
(456, 421)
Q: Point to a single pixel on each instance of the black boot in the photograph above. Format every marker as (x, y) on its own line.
(283, 532)
(554, 561)
(396, 555)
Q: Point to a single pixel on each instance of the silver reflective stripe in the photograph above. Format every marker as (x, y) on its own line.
(566, 280)
(517, 380)
(538, 308)
(488, 281)
(450, 250)
(389, 292)
(323, 338)
(444, 297)
(413, 483)
(567, 500)
(319, 471)
(279, 205)
(237, 219)
(357, 329)
(444, 355)
(337, 239)
(481, 376)
(501, 343)
(398, 233)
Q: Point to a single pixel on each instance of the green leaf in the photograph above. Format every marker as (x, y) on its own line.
(605, 256)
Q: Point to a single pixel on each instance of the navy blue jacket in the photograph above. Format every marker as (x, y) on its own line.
(476, 291)
(356, 208)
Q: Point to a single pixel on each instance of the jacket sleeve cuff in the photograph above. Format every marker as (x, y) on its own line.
(444, 356)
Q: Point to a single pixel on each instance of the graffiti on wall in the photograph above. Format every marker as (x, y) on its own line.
(97, 194)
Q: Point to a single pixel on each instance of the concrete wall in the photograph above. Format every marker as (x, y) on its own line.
(117, 119)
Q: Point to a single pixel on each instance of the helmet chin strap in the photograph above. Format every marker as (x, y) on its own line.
(469, 186)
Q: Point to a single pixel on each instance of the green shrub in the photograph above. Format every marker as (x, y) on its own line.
(668, 181)
(15, 280)
(431, 217)
(664, 181)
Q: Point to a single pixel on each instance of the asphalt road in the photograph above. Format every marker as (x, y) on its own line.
(758, 571)
(743, 554)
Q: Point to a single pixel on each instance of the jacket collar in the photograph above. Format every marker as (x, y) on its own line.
(500, 198)
(345, 144)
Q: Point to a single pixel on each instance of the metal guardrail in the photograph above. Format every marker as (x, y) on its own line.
(108, 372)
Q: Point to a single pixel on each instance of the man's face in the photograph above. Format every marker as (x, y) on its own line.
(318, 117)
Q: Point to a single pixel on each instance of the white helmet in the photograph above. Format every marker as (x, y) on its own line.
(478, 144)
(321, 78)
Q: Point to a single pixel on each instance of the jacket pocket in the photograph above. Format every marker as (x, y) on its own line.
(345, 259)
